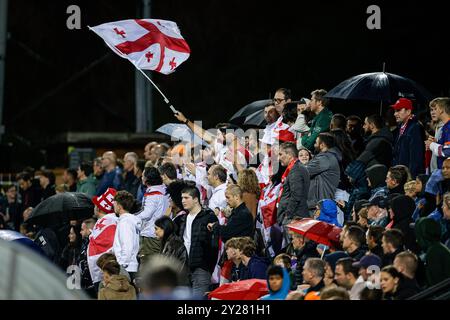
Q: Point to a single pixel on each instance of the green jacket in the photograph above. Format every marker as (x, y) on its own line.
(437, 256)
(319, 124)
(87, 186)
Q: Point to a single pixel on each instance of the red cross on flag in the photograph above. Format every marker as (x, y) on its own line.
(150, 44)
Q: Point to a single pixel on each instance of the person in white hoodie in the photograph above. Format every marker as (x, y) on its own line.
(126, 239)
(154, 206)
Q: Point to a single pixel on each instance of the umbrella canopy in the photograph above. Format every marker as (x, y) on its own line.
(251, 289)
(27, 275)
(61, 208)
(181, 132)
(256, 107)
(380, 86)
(14, 236)
(255, 119)
(318, 231)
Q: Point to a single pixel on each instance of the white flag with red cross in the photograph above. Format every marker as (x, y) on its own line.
(150, 44)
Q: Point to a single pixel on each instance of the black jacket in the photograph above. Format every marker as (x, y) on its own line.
(409, 148)
(204, 244)
(378, 149)
(403, 208)
(357, 254)
(174, 247)
(294, 198)
(131, 183)
(406, 288)
(240, 224)
(388, 258)
(309, 250)
(48, 192)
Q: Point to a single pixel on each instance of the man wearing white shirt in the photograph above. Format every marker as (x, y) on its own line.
(217, 178)
(126, 239)
(154, 206)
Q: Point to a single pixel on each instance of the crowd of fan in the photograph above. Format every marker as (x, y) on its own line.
(187, 218)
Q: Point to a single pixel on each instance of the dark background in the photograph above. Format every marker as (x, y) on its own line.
(241, 51)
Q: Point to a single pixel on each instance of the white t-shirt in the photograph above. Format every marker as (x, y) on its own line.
(188, 231)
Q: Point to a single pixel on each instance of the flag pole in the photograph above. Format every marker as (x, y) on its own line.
(162, 94)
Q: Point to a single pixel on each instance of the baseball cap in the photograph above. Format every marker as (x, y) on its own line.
(402, 103)
(367, 261)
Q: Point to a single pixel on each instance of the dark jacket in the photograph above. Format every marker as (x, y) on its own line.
(131, 183)
(204, 244)
(294, 198)
(406, 288)
(47, 240)
(403, 208)
(378, 149)
(237, 272)
(174, 247)
(240, 224)
(388, 258)
(357, 254)
(256, 268)
(112, 179)
(304, 253)
(437, 256)
(31, 197)
(360, 189)
(409, 148)
(397, 190)
(324, 171)
(48, 192)
(377, 177)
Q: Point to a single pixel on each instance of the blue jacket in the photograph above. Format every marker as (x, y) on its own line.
(444, 141)
(328, 212)
(284, 290)
(409, 148)
(112, 179)
(256, 268)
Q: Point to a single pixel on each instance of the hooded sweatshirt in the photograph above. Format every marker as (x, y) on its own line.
(377, 177)
(126, 241)
(118, 288)
(403, 208)
(284, 290)
(328, 212)
(256, 268)
(437, 256)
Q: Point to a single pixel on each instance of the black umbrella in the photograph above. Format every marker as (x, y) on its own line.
(61, 208)
(255, 119)
(250, 109)
(382, 87)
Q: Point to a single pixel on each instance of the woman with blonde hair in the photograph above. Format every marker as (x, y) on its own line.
(248, 182)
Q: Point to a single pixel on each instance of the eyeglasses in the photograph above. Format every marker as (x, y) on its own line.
(278, 101)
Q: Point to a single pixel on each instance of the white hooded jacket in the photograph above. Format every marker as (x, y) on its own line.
(126, 241)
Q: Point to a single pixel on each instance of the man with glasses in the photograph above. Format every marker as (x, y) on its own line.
(321, 122)
(282, 96)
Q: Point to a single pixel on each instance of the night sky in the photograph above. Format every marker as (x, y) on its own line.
(241, 51)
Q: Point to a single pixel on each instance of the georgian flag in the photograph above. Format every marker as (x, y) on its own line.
(100, 241)
(150, 44)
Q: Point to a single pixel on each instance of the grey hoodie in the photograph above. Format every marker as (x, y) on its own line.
(325, 174)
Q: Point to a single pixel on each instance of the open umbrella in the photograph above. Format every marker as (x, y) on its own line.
(382, 87)
(26, 275)
(256, 107)
(61, 208)
(251, 289)
(181, 132)
(318, 231)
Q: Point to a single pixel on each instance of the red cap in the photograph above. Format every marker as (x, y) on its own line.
(105, 201)
(286, 136)
(403, 103)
